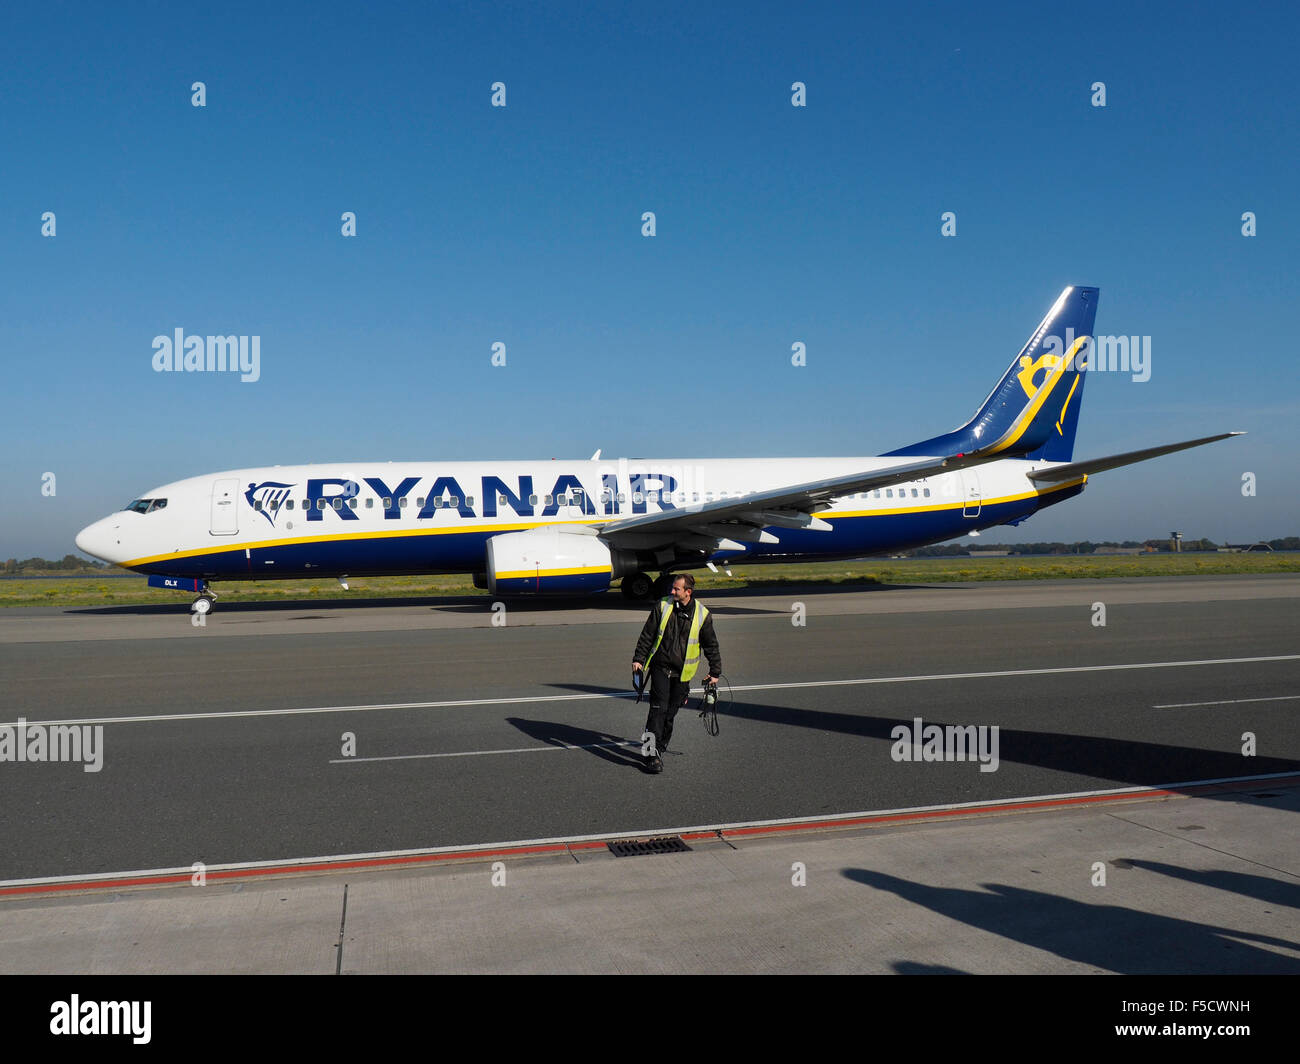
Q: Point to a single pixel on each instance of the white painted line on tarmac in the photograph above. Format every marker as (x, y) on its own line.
(481, 753)
(1226, 702)
(534, 699)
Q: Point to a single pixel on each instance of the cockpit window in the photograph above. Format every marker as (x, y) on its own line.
(146, 506)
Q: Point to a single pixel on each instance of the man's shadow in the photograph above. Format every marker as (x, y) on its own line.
(616, 749)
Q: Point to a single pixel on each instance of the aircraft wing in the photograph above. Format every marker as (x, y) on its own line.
(1114, 461)
(727, 524)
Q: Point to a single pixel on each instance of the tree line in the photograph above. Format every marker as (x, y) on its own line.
(951, 550)
(70, 563)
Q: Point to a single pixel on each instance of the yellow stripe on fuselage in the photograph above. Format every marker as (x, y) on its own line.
(343, 537)
(532, 574)
(524, 526)
(959, 505)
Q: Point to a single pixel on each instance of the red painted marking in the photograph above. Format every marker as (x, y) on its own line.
(371, 863)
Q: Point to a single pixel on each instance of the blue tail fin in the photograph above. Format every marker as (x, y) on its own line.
(1034, 410)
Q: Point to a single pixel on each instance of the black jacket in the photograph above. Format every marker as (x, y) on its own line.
(672, 651)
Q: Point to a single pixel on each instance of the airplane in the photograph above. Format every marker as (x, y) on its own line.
(539, 527)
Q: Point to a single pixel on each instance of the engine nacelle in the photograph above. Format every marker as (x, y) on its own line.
(549, 561)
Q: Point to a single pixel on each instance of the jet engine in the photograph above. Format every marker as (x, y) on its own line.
(553, 561)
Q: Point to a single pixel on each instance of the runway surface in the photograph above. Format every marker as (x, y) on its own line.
(229, 743)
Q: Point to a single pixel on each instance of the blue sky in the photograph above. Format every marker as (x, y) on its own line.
(522, 224)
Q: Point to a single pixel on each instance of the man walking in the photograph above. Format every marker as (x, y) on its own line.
(670, 644)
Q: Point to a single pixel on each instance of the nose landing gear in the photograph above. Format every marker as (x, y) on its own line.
(204, 603)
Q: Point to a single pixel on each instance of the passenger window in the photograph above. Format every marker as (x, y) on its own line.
(437, 503)
(532, 500)
(352, 504)
(289, 505)
(320, 504)
(402, 502)
(257, 505)
(469, 501)
(927, 492)
(370, 502)
(914, 493)
(388, 503)
(338, 504)
(502, 501)
(622, 498)
(453, 500)
(418, 502)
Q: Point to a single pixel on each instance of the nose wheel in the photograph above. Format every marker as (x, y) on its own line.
(202, 605)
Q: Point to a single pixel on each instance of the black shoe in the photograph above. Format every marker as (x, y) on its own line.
(654, 764)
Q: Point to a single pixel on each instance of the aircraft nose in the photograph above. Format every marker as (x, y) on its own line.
(101, 540)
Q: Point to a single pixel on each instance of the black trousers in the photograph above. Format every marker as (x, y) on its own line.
(667, 695)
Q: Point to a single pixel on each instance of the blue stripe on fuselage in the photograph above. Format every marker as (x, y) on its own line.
(465, 552)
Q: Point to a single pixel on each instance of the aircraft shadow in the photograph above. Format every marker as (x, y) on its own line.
(1107, 937)
(223, 605)
(555, 602)
(476, 604)
(820, 588)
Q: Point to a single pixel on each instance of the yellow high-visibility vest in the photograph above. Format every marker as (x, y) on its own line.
(692, 641)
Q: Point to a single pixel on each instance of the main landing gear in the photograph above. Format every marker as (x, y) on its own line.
(639, 586)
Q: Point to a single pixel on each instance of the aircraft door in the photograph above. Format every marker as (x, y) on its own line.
(971, 496)
(225, 507)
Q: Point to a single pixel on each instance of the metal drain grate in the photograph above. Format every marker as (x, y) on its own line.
(637, 847)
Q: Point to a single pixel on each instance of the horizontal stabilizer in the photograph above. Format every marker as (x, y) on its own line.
(1098, 465)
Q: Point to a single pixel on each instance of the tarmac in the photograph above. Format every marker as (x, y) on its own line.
(1163, 883)
(1130, 827)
